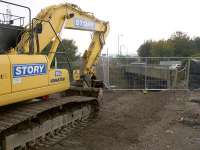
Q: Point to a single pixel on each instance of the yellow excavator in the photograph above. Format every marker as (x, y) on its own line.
(26, 76)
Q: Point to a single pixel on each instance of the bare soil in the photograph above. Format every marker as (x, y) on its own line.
(136, 121)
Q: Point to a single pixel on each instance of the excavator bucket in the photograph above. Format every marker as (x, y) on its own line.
(88, 92)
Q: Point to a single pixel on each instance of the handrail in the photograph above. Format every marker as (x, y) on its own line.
(21, 19)
(31, 31)
(1, 1)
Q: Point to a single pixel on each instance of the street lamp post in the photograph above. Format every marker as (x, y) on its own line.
(120, 48)
(118, 43)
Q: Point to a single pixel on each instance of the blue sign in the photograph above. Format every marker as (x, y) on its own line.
(84, 24)
(58, 73)
(26, 70)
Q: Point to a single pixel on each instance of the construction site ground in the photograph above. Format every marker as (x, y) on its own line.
(131, 120)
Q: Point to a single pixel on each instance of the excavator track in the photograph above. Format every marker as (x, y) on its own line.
(39, 124)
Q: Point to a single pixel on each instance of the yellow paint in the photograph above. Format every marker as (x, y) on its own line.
(25, 88)
(5, 85)
(14, 89)
(30, 82)
(62, 79)
(30, 94)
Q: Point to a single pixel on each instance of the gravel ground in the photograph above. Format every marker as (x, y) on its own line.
(137, 121)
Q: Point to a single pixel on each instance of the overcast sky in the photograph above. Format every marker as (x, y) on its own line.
(135, 20)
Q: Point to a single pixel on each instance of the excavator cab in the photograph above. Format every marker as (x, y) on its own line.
(10, 35)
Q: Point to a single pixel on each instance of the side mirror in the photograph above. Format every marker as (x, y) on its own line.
(71, 15)
(38, 28)
(11, 22)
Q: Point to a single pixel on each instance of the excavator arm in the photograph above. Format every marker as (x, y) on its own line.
(50, 22)
(87, 22)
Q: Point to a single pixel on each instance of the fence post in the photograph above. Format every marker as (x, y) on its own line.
(188, 73)
(175, 79)
(145, 80)
(108, 69)
(56, 63)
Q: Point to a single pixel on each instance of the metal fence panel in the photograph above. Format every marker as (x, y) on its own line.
(142, 73)
(147, 73)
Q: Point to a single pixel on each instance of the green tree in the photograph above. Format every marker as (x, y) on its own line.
(196, 45)
(145, 49)
(66, 53)
(66, 48)
(196, 55)
(178, 45)
(182, 44)
(162, 48)
(69, 48)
